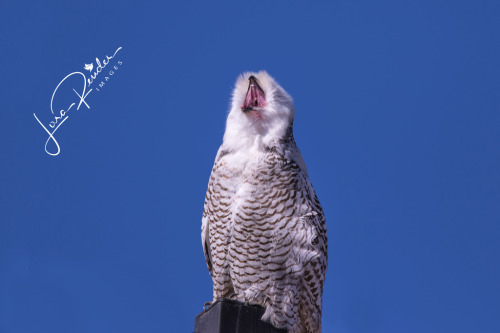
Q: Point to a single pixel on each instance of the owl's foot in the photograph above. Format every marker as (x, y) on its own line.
(266, 317)
(206, 304)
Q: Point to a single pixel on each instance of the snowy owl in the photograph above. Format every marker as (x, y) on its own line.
(263, 229)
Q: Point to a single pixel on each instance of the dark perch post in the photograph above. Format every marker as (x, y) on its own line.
(228, 316)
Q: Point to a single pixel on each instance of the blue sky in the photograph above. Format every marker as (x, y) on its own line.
(397, 117)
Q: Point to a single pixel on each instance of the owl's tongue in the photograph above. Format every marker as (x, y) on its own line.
(255, 96)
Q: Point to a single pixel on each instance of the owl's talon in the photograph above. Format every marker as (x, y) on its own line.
(233, 296)
(206, 304)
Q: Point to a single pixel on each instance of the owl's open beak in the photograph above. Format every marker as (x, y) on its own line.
(255, 96)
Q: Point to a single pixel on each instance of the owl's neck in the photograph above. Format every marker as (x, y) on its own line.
(243, 135)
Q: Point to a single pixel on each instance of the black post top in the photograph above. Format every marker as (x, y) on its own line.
(228, 316)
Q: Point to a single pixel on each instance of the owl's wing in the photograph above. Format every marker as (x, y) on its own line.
(205, 241)
(208, 211)
(314, 216)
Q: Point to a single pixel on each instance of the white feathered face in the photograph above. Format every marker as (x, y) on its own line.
(260, 109)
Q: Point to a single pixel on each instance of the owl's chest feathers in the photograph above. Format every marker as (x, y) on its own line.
(242, 172)
(244, 179)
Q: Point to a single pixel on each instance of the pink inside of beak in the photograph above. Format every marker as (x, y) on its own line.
(255, 97)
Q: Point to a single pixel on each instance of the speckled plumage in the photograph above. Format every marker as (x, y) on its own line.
(263, 228)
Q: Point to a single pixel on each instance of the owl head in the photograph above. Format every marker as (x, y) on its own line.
(261, 110)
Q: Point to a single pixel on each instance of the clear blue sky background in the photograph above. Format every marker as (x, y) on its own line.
(397, 117)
